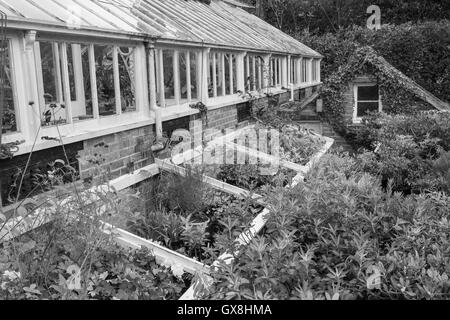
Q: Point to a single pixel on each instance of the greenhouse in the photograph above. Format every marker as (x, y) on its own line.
(99, 67)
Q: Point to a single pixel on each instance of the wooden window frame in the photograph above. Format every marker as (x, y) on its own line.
(357, 119)
(101, 122)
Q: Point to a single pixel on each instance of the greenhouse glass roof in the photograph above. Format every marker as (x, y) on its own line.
(187, 21)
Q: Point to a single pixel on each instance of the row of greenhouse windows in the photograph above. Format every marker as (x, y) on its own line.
(67, 81)
(79, 81)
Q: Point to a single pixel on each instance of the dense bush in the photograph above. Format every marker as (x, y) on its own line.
(421, 51)
(340, 236)
(412, 151)
(60, 250)
(190, 217)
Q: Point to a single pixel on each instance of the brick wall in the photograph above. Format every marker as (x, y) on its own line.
(121, 153)
(117, 154)
(38, 165)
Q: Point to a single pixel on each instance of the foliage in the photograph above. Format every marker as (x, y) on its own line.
(188, 216)
(69, 256)
(340, 236)
(296, 144)
(7, 150)
(409, 150)
(254, 177)
(399, 94)
(114, 274)
(325, 16)
(420, 50)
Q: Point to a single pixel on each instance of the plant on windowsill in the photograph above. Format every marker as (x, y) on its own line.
(204, 114)
(7, 150)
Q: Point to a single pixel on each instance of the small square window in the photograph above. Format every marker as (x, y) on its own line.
(367, 99)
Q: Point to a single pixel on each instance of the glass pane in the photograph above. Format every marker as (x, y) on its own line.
(211, 75)
(158, 77)
(127, 79)
(369, 93)
(219, 75)
(105, 80)
(227, 74)
(304, 70)
(81, 101)
(194, 86)
(9, 123)
(70, 64)
(48, 62)
(54, 110)
(86, 82)
(169, 85)
(234, 74)
(365, 107)
(183, 76)
(259, 73)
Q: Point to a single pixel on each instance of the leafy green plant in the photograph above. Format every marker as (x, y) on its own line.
(405, 148)
(339, 235)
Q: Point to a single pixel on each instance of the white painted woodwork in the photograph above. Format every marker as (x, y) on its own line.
(214, 74)
(66, 83)
(176, 76)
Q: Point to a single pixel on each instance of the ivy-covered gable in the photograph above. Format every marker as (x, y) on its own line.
(400, 94)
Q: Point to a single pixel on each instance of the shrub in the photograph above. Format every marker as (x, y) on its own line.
(405, 149)
(340, 236)
(70, 257)
(190, 217)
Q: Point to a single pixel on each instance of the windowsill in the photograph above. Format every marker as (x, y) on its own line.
(183, 110)
(80, 134)
(84, 130)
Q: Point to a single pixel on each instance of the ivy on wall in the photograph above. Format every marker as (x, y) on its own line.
(398, 92)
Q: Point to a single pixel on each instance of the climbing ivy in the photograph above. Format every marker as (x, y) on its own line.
(398, 92)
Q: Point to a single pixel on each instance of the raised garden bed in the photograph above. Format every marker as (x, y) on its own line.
(296, 144)
(186, 236)
(49, 264)
(189, 216)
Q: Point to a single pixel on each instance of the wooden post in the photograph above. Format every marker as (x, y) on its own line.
(152, 89)
(284, 72)
(240, 77)
(205, 71)
(176, 76)
(214, 75)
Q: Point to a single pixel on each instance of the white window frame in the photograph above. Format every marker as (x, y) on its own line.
(218, 69)
(18, 88)
(72, 128)
(357, 119)
(190, 54)
(254, 70)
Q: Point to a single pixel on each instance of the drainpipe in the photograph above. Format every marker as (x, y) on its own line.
(152, 88)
